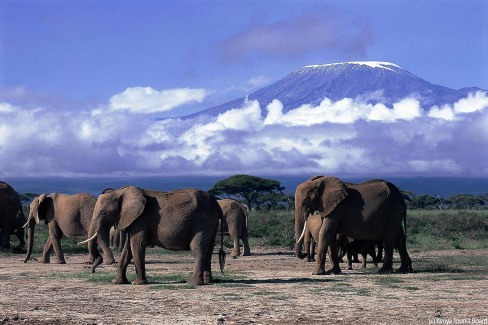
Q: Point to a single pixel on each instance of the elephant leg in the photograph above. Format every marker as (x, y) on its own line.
(388, 258)
(237, 249)
(363, 256)
(334, 257)
(122, 240)
(207, 268)
(199, 246)
(349, 260)
(327, 233)
(372, 253)
(380, 251)
(307, 243)
(46, 252)
(138, 248)
(406, 262)
(56, 236)
(245, 242)
(312, 250)
(124, 260)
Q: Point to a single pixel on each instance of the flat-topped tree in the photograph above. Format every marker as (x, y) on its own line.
(249, 188)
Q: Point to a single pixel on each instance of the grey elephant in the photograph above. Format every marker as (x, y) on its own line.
(185, 219)
(235, 223)
(373, 210)
(348, 247)
(65, 215)
(12, 217)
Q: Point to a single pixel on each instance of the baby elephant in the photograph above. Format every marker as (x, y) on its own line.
(348, 246)
(235, 224)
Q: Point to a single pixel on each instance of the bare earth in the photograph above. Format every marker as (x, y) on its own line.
(269, 287)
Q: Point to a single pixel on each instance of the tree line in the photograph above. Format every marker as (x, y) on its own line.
(260, 193)
(268, 194)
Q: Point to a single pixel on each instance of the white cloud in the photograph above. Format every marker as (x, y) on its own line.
(147, 100)
(472, 103)
(334, 137)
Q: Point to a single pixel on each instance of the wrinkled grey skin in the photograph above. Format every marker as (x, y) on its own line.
(235, 223)
(372, 210)
(12, 217)
(184, 219)
(65, 215)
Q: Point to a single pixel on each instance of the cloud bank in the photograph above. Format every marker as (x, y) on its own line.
(343, 137)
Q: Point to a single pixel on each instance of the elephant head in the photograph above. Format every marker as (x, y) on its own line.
(319, 193)
(38, 208)
(117, 207)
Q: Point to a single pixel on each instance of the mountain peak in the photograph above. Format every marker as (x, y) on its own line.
(369, 82)
(370, 64)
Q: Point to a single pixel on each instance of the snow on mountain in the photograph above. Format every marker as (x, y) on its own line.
(370, 82)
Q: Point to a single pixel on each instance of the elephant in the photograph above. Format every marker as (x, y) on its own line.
(235, 223)
(117, 239)
(12, 216)
(68, 215)
(185, 219)
(373, 210)
(311, 235)
(348, 247)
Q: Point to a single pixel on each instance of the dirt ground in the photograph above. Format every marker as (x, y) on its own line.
(269, 287)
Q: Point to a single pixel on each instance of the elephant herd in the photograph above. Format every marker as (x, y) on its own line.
(131, 219)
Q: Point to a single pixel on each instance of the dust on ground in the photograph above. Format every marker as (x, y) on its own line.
(270, 287)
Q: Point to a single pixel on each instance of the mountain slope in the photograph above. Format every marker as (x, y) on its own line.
(370, 82)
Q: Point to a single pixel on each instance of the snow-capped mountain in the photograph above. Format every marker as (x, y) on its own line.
(370, 82)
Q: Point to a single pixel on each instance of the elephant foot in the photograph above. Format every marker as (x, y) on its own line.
(60, 262)
(196, 281)
(349, 268)
(246, 254)
(110, 261)
(319, 271)
(96, 263)
(121, 280)
(140, 281)
(404, 269)
(207, 278)
(334, 270)
(45, 260)
(385, 270)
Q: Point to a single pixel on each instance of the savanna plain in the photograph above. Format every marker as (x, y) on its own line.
(449, 285)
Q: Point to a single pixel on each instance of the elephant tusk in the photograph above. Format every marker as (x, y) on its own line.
(26, 224)
(303, 232)
(89, 239)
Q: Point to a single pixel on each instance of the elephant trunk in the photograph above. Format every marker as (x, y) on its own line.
(93, 246)
(300, 223)
(30, 241)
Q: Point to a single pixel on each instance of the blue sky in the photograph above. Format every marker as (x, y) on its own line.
(64, 64)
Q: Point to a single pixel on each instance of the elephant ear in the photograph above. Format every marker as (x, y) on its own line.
(332, 191)
(131, 205)
(42, 203)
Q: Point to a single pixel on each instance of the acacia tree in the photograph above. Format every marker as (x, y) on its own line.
(249, 188)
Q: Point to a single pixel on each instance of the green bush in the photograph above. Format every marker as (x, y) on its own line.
(447, 229)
